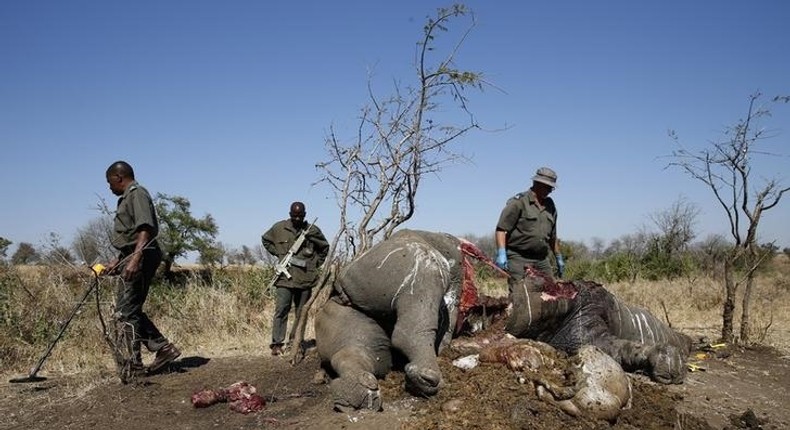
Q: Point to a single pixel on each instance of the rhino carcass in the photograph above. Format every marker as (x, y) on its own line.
(569, 315)
(409, 294)
(404, 294)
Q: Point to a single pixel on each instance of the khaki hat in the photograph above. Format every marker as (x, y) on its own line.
(546, 176)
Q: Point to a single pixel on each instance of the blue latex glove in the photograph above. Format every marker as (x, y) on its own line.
(501, 258)
(560, 266)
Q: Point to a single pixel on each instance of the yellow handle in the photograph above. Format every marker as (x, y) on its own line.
(98, 268)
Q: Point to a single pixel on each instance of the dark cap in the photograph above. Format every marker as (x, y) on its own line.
(546, 176)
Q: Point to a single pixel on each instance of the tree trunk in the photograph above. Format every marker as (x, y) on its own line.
(747, 303)
(325, 281)
(168, 267)
(730, 288)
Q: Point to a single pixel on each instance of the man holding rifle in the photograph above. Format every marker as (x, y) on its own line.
(300, 250)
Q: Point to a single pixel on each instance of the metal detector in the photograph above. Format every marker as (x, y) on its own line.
(33, 376)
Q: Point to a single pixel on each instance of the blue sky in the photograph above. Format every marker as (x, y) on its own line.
(228, 104)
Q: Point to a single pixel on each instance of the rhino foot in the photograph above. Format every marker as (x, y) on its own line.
(422, 381)
(357, 391)
(666, 364)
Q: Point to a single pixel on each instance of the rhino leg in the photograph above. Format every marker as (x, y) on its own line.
(416, 335)
(667, 364)
(358, 351)
(663, 363)
(656, 348)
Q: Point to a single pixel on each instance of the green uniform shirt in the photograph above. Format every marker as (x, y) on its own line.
(135, 209)
(304, 267)
(529, 228)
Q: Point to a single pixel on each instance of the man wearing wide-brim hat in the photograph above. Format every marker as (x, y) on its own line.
(527, 230)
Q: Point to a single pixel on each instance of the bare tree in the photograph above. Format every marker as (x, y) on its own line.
(726, 168)
(55, 254)
(630, 250)
(665, 255)
(575, 250)
(676, 226)
(261, 254)
(4, 244)
(93, 242)
(399, 141)
(597, 247)
(632, 244)
(710, 251)
(242, 256)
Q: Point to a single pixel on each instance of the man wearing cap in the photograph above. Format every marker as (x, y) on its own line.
(303, 269)
(527, 230)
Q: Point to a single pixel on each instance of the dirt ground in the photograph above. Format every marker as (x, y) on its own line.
(738, 388)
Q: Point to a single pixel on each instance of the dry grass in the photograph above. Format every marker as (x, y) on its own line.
(231, 314)
(694, 306)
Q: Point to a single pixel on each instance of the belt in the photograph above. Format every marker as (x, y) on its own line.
(530, 255)
(128, 250)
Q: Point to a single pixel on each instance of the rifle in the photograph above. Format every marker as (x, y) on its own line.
(281, 268)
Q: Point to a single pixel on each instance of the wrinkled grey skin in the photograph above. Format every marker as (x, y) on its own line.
(400, 295)
(634, 337)
(357, 349)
